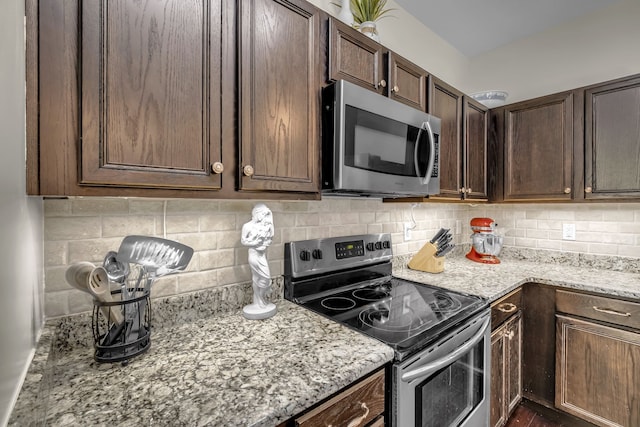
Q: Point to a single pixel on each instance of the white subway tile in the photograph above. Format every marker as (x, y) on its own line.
(217, 222)
(99, 206)
(127, 225)
(71, 228)
(55, 253)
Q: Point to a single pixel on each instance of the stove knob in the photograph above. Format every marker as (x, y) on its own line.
(386, 244)
(317, 253)
(305, 255)
(370, 246)
(378, 245)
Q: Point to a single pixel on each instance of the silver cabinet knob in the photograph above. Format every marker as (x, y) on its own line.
(395, 89)
(217, 167)
(588, 190)
(248, 170)
(383, 83)
(469, 190)
(567, 190)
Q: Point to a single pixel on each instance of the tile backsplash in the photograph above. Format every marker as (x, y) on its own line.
(85, 229)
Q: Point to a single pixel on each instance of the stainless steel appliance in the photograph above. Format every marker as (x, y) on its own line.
(376, 146)
(441, 339)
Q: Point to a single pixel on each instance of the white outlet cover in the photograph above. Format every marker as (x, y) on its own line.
(407, 231)
(568, 232)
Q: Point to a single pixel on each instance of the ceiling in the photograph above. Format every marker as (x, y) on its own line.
(477, 26)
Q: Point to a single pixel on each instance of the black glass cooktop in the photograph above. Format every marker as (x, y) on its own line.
(398, 312)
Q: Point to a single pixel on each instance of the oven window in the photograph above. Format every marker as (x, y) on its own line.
(380, 144)
(450, 395)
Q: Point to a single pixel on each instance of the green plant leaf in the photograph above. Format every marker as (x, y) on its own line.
(368, 10)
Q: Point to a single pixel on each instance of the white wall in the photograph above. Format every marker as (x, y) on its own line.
(21, 218)
(597, 47)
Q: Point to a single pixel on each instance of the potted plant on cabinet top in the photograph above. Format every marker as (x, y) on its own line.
(365, 14)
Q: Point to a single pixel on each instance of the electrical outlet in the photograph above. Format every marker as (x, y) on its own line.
(568, 232)
(407, 231)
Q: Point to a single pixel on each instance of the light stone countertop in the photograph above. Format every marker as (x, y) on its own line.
(220, 371)
(492, 281)
(207, 365)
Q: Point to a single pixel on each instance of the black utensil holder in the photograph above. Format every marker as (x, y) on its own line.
(115, 342)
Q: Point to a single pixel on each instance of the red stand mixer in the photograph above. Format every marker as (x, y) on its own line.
(485, 243)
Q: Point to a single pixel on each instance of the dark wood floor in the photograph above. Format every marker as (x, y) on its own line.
(525, 417)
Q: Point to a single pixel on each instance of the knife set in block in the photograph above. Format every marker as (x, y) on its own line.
(426, 260)
(431, 257)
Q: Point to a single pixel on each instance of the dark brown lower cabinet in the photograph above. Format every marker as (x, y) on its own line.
(598, 358)
(506, 378)
(360, 404)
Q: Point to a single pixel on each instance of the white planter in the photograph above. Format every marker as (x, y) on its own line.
(345, 14)
(370, 29)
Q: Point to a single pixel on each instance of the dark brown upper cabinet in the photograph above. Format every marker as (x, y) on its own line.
(175, 99)
(150, 93)
(475, 165)
(360, 60)
(611, 141)
(407, 82)
(463, 142)
(279, 95)
(536, 149)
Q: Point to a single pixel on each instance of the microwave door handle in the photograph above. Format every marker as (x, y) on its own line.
(432, 157)
(426, 370)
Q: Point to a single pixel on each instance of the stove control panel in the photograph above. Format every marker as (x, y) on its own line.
(308, 257)
(350, 249)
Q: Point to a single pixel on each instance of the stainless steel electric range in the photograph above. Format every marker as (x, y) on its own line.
(441, 339)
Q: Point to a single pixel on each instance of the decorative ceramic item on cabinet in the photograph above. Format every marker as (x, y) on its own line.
(345, 14)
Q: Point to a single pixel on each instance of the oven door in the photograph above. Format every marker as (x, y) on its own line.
(446, 384)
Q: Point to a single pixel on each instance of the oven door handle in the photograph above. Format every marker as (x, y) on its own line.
(426, 370)
(432, 155)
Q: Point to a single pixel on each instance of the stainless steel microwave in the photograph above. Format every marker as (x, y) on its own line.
(375, 146)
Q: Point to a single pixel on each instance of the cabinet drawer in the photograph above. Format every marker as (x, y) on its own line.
(505, 307)
(605, 309)
(358, 404)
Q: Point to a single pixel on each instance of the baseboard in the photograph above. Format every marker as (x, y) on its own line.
(555, 415)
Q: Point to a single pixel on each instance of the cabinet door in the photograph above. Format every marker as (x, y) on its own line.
(475, 149)
(538, 149)
(445, 102)
(597, 374)
(279, 96)
(612, 140)
(513, 353)
(356, 58)
(407, 82)
(497, 416)
(150, 93)
(506, 378)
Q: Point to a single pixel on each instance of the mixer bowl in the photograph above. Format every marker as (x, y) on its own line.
(487, 244)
